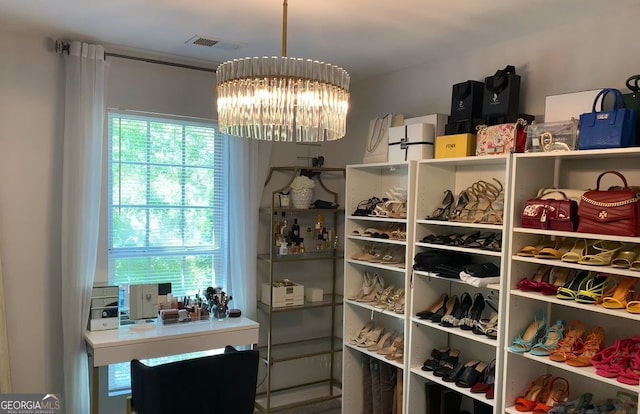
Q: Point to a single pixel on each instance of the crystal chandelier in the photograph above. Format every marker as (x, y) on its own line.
(282, 98)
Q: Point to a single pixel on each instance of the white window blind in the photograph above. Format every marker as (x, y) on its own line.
(167, 208)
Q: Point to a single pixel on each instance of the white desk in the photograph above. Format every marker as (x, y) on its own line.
(124, 344)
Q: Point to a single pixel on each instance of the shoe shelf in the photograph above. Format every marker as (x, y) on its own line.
(380, 266)
(435, 276)
(365, 182)
(377, 240)
(571, 170)
(559, 263)
(576, 235)
(373, 309)
(316, 357)
(434, 180)
(469, 250)
(456, 331)
(464, 391)
(589, 372)
(374, 354)
(443, 224)
(619, 313)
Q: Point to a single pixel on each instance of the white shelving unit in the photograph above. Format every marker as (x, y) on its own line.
(364, 182)
(434, 177)
(579, 170)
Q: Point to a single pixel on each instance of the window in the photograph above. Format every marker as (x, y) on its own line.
(166, 208)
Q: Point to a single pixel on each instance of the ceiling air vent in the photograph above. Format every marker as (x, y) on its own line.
(218, 44)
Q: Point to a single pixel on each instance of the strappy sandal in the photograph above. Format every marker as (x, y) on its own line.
(532, 250)
(462, 201)
(495, 211)
(570, 289)
(467, 212)
(558, 277)
(616, 297)
(626, 256)
(602, 253)
(592, 288)
(578, 250)
(555, 253)
(444, 211)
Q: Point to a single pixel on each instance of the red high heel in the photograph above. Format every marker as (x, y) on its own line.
(540, 277)
(558, 393)
(537, 391)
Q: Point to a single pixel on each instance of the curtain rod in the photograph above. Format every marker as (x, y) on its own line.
(63, 47)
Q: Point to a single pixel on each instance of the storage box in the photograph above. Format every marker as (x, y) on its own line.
(104, 312)
(313, 294)
(454, 146)
(437, 120)
(568, 105)
(283, 295)
(411, 142)
(552, 136)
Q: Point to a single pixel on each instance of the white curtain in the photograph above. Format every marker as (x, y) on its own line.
(82, 171)
(5, 366)
(249, 163)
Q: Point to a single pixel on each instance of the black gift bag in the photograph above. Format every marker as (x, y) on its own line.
(501, 93)
(466, 101)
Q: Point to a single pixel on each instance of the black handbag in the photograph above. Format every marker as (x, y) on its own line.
(632, 101)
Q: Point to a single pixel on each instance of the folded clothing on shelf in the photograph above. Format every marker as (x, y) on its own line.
(428, 260)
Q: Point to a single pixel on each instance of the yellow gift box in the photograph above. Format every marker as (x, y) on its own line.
(455, 146)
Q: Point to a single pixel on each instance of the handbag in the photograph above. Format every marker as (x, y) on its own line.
(550, 214)
(608, 129)
(502, 138)
(615, 212)
(561, 193)
(632, 101)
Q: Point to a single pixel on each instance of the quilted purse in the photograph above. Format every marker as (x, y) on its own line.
(613, 212)
(502, 138)
(547, 213)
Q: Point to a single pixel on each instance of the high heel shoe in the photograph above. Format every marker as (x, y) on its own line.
(531, 334)
(396, 344)
(461, 203)
(452, 304)
(592, 288)
(570, 289)
(471, 375)
(537, 391)
(487, 382)
(440, 303)
(376, 284)
(617, 296)
(558, 277)
(368, 282)
(591, 346)
(370, 338)
(444, 211)
(534, 284)
(475, 313)
(549, 342)
(382, 342)
(455, 318)
(361, 333)
(558, 393)
(568, 344)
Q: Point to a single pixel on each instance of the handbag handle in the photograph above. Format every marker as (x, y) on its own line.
(618, 102)
(624, 180)
(498, 82)
(554, 191)
(633, 87)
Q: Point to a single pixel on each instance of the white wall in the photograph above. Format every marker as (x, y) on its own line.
(578, 56)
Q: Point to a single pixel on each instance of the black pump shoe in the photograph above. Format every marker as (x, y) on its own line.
(444, 211)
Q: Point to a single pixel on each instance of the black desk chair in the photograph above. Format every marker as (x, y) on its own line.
(217, 384)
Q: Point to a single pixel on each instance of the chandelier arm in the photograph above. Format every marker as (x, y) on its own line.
(284, 28)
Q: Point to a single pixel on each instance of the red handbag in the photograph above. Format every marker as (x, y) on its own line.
(614, 212)
(550, 214)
